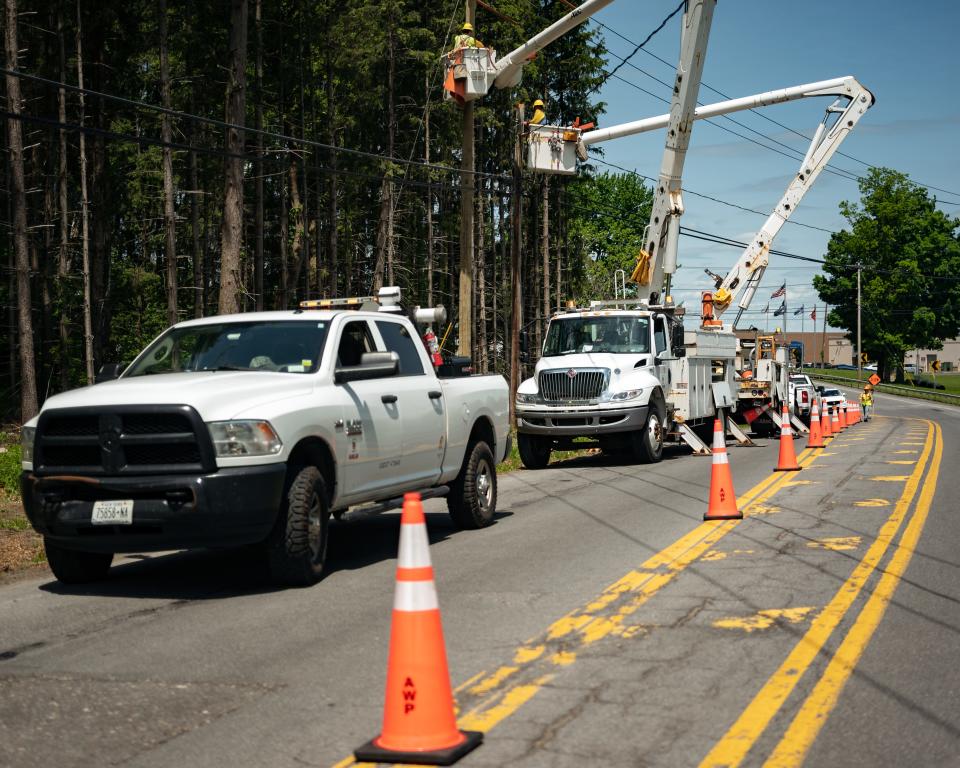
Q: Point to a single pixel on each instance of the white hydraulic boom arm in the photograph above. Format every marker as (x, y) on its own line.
(660, 255)
(749, 269)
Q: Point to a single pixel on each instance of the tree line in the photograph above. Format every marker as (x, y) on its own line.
(170, 159)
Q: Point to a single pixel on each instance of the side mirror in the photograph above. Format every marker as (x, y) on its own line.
(676, 338)
(108, 372)
(373, 365)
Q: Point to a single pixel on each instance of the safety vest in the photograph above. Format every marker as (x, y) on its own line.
(866, 399)
(466, 41)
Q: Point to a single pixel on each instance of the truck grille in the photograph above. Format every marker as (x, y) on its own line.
(123, 440)
(573, 384)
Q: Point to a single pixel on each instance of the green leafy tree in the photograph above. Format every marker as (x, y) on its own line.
(910, 257)
(607, 217)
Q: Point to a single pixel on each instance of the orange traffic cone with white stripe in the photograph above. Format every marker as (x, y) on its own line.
(788, 457)
(722, 504)
(851, 414)
(816, 435)
(835, 426)
(419, 724)
(825, 422)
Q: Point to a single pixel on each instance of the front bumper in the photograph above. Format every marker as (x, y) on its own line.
(231, 507)
(580, 422)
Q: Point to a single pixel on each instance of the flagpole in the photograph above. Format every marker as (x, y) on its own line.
(803, 325)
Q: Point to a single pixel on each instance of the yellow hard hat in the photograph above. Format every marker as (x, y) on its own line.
(467, 27)
(538, 103)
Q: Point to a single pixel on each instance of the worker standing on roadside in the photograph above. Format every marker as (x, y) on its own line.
(866, 402)
(466, 39)
(539, 114)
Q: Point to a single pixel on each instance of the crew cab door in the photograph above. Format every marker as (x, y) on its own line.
(369, 441)
(420, 403)
(661, 344)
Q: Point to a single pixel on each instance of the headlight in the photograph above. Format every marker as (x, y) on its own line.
(627, 394)
(527, 399)
(244, 438)
(27, 436)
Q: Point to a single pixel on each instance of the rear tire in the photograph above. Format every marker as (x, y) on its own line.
(472, 501)
(648, 442)
(297, 547)
(534, 450)
(71, 566)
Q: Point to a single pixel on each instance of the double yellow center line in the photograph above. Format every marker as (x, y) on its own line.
(734, 746)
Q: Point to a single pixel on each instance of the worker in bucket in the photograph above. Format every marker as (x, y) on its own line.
(866, 401)
(539, 114)
(466, 39)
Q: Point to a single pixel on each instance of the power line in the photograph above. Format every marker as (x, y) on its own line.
(755, 111)
(646, 40)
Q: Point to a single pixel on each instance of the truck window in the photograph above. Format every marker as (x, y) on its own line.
(660, 334)
(397, 338)
(623, 334)
(355, 339)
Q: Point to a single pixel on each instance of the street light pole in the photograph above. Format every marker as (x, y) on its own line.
(859, 344)
(465, 314)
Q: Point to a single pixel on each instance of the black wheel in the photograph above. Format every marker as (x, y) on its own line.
(73, 567)
(297, 546)
(472, 500)
(648, 442)
(534, 450)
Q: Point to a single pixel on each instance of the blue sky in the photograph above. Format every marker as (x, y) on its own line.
(904, 53)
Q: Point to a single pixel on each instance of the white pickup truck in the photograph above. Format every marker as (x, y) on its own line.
(252, 429)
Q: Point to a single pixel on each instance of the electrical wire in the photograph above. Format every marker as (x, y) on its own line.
(646, 40)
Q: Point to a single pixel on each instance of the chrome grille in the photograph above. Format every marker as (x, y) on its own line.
(586, 384)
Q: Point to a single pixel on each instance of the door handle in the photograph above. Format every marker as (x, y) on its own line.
(435, 394)
(388, 398)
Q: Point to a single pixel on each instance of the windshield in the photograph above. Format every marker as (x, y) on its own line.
(283, 346)
(607, 333)
(831, 393)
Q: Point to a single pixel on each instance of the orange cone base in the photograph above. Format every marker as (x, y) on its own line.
(789, 469)
(737, 515)
(371, 752)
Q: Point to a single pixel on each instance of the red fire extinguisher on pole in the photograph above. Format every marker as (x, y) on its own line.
(430, 340)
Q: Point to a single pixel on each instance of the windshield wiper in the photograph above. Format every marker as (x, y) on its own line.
(226, 368)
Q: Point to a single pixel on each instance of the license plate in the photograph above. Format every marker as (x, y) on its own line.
(116, 512)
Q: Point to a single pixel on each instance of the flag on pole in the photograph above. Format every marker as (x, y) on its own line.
(813, 315)
(799, 311)
(781, 291)
(781, 310)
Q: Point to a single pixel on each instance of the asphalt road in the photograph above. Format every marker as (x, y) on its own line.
(598, 622)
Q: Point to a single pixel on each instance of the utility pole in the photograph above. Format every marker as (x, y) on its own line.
(465, 341)
(516, 211)
(859, 347)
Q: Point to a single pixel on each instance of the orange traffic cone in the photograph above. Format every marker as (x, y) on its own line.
(825, 422)
(788, 457)
(816, 436)
(723, 501)
(835, 426)
(852, 414)
(419, 725)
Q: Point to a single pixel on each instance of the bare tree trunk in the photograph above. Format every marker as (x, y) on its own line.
(258, 221)
(296, 208)
(85, 215)
(28, 382)
(332, 232)
(231, 234)
(385, 228)
(166, 133)
(545, 247)
(481, 282)
(63, 261)
(429, 205)
(199, 279)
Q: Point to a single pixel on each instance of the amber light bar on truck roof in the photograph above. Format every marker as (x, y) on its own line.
(353, 302)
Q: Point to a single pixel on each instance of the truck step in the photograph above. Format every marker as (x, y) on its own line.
(376, 507)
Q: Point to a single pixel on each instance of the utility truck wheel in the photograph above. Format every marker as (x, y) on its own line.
(472, 500)
(648, 442)
(73, 567)
(297, 546)
(534, 450)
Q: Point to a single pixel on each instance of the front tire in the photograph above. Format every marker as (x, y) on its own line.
(648, 442)
(472, 500)
(534, 450)
(297, 546)
(71, 566)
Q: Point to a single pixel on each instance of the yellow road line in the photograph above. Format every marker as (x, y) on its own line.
(743, 734)
(507, 687)
(812, 716)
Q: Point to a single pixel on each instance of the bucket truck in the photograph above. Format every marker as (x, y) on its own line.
(694, 372)
(470, 73)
